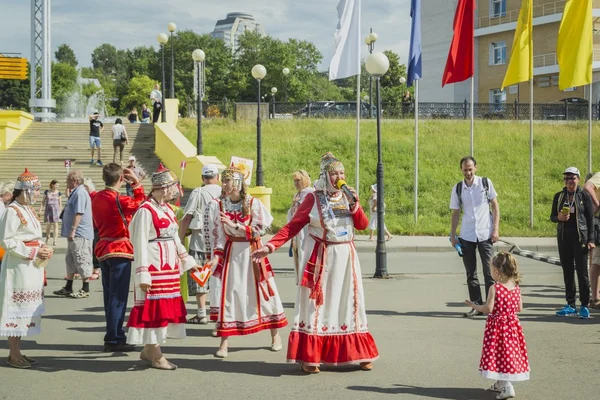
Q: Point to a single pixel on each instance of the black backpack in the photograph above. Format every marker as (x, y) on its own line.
(486, 186)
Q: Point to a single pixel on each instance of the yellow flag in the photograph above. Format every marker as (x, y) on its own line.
(574, 48)
(520, 66)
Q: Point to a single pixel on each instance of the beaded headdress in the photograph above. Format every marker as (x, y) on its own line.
(163, 178)
(234, 174)
(28, 181)
(328, 163)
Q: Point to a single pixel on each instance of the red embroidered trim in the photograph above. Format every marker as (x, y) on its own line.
(27, 296)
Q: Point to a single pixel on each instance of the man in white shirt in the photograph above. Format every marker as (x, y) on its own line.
(479, 228)
(156, 98)
(193, 219)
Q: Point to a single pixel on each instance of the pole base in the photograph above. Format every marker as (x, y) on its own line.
(384, 275)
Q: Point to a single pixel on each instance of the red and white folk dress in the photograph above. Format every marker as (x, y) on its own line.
(330, 321)
(504, 355)
(249, 301)
(160, 259)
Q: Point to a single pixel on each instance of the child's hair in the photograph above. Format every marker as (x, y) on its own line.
(507, 266)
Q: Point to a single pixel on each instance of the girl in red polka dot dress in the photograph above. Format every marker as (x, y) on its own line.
(504, 355)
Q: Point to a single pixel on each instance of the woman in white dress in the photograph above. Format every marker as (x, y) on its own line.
(302, 184)
(330, 319)
(22, 273)
(249, 301)
(160, 259)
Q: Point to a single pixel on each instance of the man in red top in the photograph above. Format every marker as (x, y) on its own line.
(112, 214)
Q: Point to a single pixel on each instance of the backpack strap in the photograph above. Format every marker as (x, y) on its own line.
(486, 186)
(459, 193)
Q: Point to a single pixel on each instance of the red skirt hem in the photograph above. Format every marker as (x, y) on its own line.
(314, 350)
(158, 313)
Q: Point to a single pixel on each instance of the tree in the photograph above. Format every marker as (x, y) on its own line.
(138, 93)
(14, 94)
(105, 59)
(64, 81)
(65, 54)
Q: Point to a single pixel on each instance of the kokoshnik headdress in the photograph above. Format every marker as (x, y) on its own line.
(163, 178)
(28, 183)
(328, 163)
(234, 174)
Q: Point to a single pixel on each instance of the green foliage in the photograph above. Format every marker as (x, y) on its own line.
(501, 149)
(138, 93)
(64, 81)
(14, 94)
(105, 59)
(65, 54)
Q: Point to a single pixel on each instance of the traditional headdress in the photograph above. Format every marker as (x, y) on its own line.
(163, 178)
(234, 174)
(328, 163)
(28, 183)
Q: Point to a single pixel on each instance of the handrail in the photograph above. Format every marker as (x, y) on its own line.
(539, 10)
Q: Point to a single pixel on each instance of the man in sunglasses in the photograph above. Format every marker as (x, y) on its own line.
(573, 210)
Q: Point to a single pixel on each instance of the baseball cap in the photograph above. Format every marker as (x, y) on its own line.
(132, 158)
(572, 170)
(210, 170)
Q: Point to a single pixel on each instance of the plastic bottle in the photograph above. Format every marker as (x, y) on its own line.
(458, 247)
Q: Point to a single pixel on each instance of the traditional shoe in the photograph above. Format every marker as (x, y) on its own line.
(21, 364)
(309, 369)
(168, 366)
(31, 361)
(221, 353)
(276, 345)
(214, 333)
(366, 366)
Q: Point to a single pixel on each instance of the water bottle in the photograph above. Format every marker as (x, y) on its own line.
(458, 247)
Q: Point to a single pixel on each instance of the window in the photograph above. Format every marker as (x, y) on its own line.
(498, 8)
(497, 96)
(497, 53)
(514, 89)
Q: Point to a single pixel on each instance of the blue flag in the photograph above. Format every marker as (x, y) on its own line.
(414, 58)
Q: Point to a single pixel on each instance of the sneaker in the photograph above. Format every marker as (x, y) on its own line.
(584, 313)
(63, 292)
(508, 392)
(82, 294)
(472, 313)
(566, 311)
(99, 162)
(496, 387)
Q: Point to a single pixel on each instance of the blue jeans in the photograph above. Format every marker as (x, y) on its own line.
(129, 190)
(116, 274)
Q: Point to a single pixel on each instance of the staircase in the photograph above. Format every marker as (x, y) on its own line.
(44, 147)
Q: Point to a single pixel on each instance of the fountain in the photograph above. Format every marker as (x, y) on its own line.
(78, 107)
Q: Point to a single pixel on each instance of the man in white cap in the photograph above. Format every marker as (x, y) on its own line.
(137, 171)
(193, 219)
(573, 211)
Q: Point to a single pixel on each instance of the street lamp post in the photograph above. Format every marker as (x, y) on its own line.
(273, 91)
(377, 65)
(162, 40)
(259, 72)
(370, 41)
(285, 72)
(171, 27)
(199, 56)
(402, 82)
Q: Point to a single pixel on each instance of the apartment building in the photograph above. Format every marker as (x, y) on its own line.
(233, 26)
(495, 24)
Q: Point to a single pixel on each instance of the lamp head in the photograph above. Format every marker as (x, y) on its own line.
(377, 64)
(285, 71)
(402, 80)
(273, 90)
(171, 27)
(259, 72)
(198, 55)
(162, 38)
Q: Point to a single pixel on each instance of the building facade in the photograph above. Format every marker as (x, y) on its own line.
(495, 24)
(233, 26)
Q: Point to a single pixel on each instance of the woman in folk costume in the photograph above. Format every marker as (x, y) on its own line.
(249, 299)
(160, 259)
(302, 184)
(330, 322)
(22, 273)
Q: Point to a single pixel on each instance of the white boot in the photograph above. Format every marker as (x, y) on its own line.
(508, 391)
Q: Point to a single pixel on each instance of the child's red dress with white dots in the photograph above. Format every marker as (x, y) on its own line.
(504, 355)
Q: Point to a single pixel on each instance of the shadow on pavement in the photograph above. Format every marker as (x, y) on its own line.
(550, 317)
(257, 368)
(432, 393)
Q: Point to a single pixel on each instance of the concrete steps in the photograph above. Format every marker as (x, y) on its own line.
(43, 147)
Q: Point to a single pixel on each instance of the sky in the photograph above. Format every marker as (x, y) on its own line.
(84, 24)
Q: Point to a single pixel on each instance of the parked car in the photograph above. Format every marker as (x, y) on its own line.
(343, 109)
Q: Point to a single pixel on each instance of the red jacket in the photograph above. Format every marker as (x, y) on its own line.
(113, 233)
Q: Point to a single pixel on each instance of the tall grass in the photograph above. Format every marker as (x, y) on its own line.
(501, 150)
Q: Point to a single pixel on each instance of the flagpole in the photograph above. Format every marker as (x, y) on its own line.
(590, 131)
(472, 114)
(531, 153)
(357, 182)
(416, 191)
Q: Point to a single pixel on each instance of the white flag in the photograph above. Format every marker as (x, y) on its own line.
(346, 59)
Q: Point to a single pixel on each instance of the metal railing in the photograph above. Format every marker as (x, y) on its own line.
(539, 10)
(544, 60)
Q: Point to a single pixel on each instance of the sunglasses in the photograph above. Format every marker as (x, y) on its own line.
(571, 178)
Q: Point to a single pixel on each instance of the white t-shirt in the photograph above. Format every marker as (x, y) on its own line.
(2, 208)
(117, 131)
(156, 95)
(477, 223)
(197, 224)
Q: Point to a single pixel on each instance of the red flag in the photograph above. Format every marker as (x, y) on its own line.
(460, 65)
